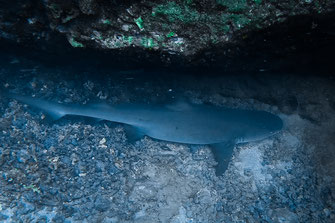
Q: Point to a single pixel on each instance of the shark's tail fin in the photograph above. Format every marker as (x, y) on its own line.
(55, 110)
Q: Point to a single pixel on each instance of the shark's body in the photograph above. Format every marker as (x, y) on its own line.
(181, 123)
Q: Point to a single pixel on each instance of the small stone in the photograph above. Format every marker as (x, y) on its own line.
(247, 172)
(327, 212)
(89, 85)
(3, 217)
(118, 164)
(125, 28)
(102, 141)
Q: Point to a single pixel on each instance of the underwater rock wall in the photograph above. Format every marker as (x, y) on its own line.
(182, 27)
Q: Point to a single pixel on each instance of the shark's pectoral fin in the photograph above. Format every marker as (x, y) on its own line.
(133, 134)
(98, 120)
(54, 115)
(222, 154)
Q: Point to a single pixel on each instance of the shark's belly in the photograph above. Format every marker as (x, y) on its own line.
(196, 132)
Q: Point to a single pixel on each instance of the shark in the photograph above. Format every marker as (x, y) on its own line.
(195, 124)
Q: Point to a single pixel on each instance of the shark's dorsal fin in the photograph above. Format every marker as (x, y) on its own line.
(222, 154)
(179, 106)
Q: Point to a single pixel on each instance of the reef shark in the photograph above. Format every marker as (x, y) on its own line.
(220, 127)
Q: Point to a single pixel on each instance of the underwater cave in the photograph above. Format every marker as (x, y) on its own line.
(182, 111)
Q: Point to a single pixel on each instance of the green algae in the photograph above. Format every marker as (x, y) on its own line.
(130, 39)
(127, 39)
(240, 21)
(139, 22)
(68, 18)
(75, 43)
(170, 34)
(177, 12)
(148, 42)
(234, 5)
(106, 21)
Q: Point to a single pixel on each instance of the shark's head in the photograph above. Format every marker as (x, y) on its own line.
(262, 125)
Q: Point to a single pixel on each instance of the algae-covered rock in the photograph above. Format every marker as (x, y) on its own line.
(183, 27)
